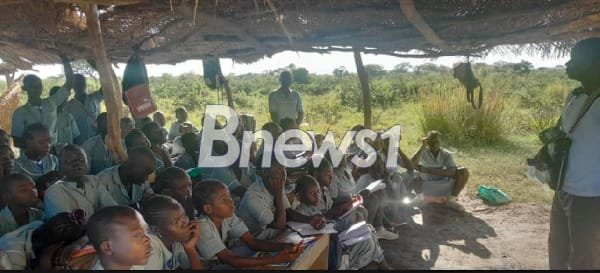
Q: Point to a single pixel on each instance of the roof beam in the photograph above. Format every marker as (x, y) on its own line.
(577, 25)
(413, 16)
(102, 2)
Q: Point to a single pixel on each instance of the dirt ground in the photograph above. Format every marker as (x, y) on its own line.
(513, 236)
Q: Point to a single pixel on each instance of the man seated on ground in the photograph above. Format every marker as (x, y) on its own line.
(438, 173)
(127, 183)
(38, 110)
(98, 154)
(263, 207)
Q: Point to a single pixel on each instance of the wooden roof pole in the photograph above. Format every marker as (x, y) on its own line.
(413, 16)
(366, 90)
(110, 87)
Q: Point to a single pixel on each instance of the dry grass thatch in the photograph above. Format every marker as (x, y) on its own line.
(169, 31)
(9, 101)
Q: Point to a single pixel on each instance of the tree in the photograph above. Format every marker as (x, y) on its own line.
(403, 67)
(340, 72)
(524, 67)
(300, 75)
(375, 70)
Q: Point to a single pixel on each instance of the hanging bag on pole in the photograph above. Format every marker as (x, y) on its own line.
(212, 72)
(465, 76)
(136, 91)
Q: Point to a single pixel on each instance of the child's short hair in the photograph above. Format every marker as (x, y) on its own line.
(205, 191)
(323, 165)
(70, 148)
(154, 208)
(166, 176)
(139, 153)
(32, 129)
(99, 226)
(190, 141)
(9, 181)
(132, 137)
(303, 183)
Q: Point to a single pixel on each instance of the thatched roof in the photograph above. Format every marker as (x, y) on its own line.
(35, 31)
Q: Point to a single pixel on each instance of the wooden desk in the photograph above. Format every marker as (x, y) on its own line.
(315, 256)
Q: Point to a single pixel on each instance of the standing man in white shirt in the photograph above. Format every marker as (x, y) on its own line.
(285, 102)
(574, 239)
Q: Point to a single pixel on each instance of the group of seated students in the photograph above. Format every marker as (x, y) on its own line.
(158, 210)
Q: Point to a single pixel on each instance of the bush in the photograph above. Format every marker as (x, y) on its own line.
(449, 113)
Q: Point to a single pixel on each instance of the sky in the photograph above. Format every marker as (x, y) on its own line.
(315, 63)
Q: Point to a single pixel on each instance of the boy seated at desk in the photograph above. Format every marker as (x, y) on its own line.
(220, 227)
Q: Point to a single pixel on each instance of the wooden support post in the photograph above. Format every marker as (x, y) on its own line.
(413, 16)
(364, 84)
(228, 93)
(108, 80)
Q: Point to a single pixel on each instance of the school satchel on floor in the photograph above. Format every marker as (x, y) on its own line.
(552, 158)
(465, 76)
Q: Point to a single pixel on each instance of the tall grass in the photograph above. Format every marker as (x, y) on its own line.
(448, 112)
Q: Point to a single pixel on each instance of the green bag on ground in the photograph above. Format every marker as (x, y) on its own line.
(492, 195)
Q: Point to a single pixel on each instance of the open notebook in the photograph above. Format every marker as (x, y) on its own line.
(305, 229)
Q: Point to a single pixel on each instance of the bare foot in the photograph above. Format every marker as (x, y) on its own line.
(384, 266)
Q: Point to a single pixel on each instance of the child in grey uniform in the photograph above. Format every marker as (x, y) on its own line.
(313, 203)
(172, 235)
(220, 228)
(20, 195)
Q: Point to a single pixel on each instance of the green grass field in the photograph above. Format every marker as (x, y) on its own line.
(492, 142)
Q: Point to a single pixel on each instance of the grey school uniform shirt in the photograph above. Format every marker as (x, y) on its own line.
(110, 179)
(66, 128)
(17, 245)
(45, 114)
(444, 159)
(212, 242)
(257, 208)
(35, 169)
(163, 259)
(85, 114)
(99, 157)
(65, 196)
(8, 222)
(285, 104)
(343, 184)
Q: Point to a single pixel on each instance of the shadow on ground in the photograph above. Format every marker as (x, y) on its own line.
(419, 243)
